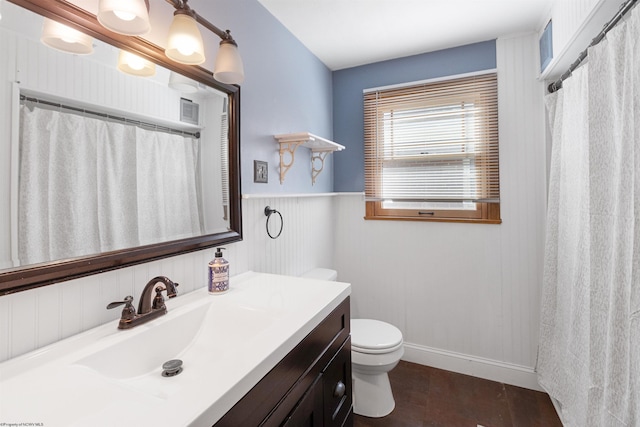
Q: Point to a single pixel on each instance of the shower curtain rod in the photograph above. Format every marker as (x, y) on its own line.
(624, 8)
(109, 116)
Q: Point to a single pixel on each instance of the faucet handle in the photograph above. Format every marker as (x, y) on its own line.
(127, 300)
(128, 312)
(175, 284)
(158, 301)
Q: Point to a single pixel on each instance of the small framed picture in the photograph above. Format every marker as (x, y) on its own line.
(260, 171)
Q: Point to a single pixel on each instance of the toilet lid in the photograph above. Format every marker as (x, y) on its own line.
(368, 335)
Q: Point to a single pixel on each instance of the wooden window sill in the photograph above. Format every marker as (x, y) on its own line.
(408, 218)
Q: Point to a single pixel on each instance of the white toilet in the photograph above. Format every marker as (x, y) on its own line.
(376, 348)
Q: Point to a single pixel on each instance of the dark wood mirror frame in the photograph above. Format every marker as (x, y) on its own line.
(33, 276)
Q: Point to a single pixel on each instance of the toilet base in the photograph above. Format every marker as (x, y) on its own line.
(372, 396)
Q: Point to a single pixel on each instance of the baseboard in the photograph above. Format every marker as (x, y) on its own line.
(518, 375)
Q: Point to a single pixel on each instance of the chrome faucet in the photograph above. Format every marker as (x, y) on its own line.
(149, 306)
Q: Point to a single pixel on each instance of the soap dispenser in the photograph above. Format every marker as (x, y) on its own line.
(218, 274)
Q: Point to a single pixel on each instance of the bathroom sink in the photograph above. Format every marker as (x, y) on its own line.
(146, 349)
(174, 336)
(186, 333)
(226, 343)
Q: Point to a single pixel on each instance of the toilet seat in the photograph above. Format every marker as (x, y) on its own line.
(374, 336)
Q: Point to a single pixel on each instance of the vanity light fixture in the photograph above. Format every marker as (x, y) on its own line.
(129, 17)
(135, 65)
(185, 44)
(65, 39)
(182, 83)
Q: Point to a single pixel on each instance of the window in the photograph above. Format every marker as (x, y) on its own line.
(431, 151)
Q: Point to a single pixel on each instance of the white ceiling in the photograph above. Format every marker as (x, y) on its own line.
(348, 33)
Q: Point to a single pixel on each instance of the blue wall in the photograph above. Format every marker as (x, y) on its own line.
(348, 85)
(286, 89)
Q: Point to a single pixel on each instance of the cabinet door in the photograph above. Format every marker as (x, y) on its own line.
(308, 412)
(336, 387)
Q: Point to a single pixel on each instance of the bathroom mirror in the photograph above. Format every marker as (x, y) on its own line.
(217, 117)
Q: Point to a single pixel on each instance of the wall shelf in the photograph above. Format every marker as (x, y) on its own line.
(319, 147)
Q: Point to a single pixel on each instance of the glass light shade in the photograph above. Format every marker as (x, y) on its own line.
(129, 17)
(228, 67)
(182, 83)
(135, 65)
(65, 39)
(185, 41)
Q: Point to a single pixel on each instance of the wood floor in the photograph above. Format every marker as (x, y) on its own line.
(435, 398)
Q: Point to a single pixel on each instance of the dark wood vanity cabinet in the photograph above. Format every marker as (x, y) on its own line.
(311, 386)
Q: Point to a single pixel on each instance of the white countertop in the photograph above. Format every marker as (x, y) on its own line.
(244, 333)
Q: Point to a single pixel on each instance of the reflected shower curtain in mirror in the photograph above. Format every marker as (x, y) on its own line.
(589, 354)
(87, 185)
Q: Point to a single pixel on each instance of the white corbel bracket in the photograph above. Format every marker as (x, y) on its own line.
(317, 155)
(319, 147)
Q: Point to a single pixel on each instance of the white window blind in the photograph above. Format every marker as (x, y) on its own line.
(433, 142)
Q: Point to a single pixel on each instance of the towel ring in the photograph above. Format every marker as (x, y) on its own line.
(268, 212)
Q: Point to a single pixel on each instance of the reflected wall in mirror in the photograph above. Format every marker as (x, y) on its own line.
(105, 168)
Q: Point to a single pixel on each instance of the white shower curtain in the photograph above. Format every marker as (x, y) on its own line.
(88, 186)
(168, 206)
(589, 354)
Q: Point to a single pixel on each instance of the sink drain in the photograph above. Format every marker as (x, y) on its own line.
(171, 368)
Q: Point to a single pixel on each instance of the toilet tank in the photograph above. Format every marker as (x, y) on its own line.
(321, 274)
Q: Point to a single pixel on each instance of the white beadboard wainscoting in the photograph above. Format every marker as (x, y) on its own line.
(307, 239)
(567, 19)
(32, 319)
(466, 296)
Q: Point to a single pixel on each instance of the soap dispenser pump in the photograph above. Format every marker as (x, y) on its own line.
(218, 274)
